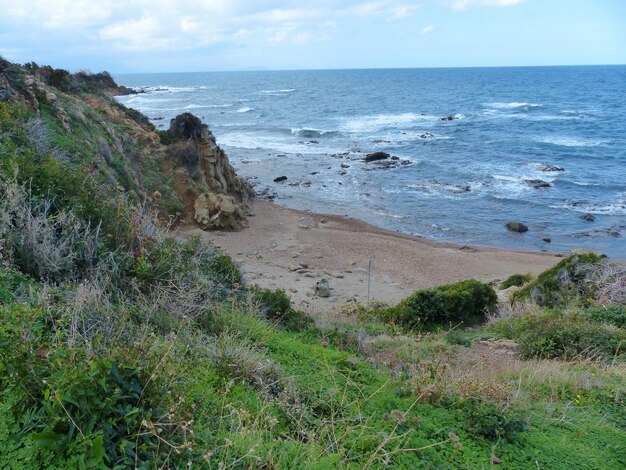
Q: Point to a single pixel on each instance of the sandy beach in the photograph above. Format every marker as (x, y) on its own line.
(293, 250)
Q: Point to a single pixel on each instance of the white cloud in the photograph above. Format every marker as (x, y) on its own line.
(402, 12)
(427, 29)
(465, 4)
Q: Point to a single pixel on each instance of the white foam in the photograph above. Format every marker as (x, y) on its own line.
(245, 109)
(372, 123)
(277, 92)
(514, 105)
(252, 141)
(615, 208)
(572, 141)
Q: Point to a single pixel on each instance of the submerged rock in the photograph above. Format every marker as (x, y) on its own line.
(588, 217)
(280, 179)
(517, 227)
(550, 168)
(538, 184)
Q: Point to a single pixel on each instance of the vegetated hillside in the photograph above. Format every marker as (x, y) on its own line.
(121, 347)
(73, 119)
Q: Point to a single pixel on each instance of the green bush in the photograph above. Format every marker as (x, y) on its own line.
(461, 302)
(275, 305)
(562, 283)
(556, 334)
(516, 280)
(611, 314)
(490, 421)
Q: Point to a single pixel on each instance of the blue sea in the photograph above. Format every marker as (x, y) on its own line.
(472, 145)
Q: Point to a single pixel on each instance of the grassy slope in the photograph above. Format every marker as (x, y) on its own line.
(167, 359)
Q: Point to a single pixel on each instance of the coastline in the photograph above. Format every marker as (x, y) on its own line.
(292, 250)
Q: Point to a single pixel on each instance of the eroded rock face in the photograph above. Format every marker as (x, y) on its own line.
(218, 211)
(222, 197)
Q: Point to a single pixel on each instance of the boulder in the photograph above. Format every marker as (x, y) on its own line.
(588, 217)
(550, 168)
(538, 184)
(376, 156)
(449, 118)
(516, 227)
(280, 179)
(322, 288)
(219, 211)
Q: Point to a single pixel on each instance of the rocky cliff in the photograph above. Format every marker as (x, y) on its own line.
(182, 173)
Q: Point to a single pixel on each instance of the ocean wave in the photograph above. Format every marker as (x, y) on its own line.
(572, 141)
(277, 92)
(614, 208)
(514, 105)
(245, 109)
(308, 133)
(273, 143)
(204, 106)
(372, 123)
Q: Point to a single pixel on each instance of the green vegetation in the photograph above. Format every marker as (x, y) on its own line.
(561, 284)
(516, 280)
(123, 347)
(463, 302)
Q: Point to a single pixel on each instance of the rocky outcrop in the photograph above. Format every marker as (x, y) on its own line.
(376, 156)
(221, 197)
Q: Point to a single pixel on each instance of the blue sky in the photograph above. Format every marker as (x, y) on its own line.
(204, 35)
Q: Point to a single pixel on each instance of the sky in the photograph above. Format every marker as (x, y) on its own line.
(126, 36)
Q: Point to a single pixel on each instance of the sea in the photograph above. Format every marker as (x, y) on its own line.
(472, 148)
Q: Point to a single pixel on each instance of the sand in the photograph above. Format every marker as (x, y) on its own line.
(293, 250)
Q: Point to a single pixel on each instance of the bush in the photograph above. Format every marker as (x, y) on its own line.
(516, 280)
(563, 283)
(556, 334)
(461, 302)
(275, 305)
(611, 314)
(490, 421)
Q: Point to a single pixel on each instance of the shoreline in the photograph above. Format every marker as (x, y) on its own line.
(290, 249)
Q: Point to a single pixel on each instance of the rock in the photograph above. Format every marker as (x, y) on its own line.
(219, 211)
(588, 217)
(517, 227)
(550, 168)
(395, 158)
(449, 118)
(426, 135)
(343, 165)
(280, 179)
(217, 196)
(294, 267)
(322, 288)
(538, 184)
(376, 156)
(547, 240)
(51, 97)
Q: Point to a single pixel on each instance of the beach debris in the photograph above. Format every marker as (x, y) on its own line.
(376, 156)
(516, 227)
(322, 288)
(280, 179)
(538, 184)
(588, 217)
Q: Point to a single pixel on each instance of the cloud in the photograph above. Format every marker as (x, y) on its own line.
(465, 4)
(402, 12)
(427, 29)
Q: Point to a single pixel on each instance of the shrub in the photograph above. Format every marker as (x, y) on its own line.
(556, 334)
(611, 314)
(275, 305)
(464, 302)
(516, 280)
(490, 421)
(563, 283)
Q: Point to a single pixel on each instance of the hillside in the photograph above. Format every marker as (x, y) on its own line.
(123, 347)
